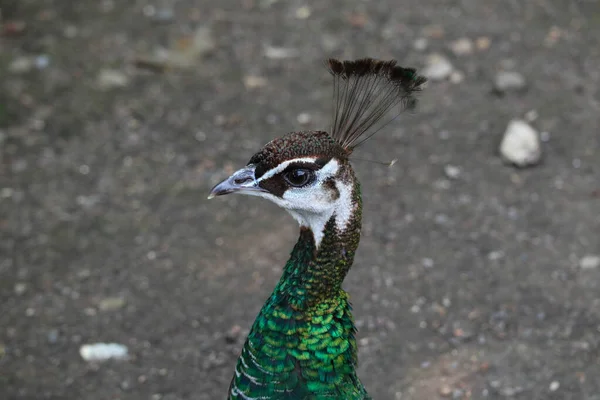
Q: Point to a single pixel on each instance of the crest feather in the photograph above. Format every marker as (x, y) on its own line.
(364, 91)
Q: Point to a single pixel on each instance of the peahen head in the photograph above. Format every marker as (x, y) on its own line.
(308, 173)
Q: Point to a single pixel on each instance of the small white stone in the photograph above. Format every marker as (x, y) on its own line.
(554, 385)
(103, 351)
(203, 41)
(420, 44)
(21, 65)
(427, 262)
(438, 67)
(462, 46)
(509, 80)
(531, 115)
(495, 255)
(590, 261)
(483, 43)
(452, 172)
(304, 118)
(254, 81)
(110, 79)
(457, 77)
(111, 303)
(280, 53)
(20, 288)
(520, 144)
(303, 12)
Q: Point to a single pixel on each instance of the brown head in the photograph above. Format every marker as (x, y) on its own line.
(308, 173)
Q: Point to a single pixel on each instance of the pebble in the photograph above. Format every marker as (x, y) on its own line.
(185, 56)
(304, 118)
(203, 41)
(462, 47)
(112, 79)
(111, 303)
(21, 65)
(438, 67)
(420, 44)
(434, 31)
(42, 61)
(303, 12)
(520, 144)
(452, 171)
(254, 82)
(280, 53)
(589, 261)
(427, 262)
(457, 77)
(531, 115)
(20, 288)
(495, 255)
(554, 385)
(52, 336)
(103, 351)
(483, 43)
(445, 390)
(506, 81)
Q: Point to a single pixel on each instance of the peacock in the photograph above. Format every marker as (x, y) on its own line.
(302, 344)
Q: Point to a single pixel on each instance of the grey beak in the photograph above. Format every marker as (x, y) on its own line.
(241, 181)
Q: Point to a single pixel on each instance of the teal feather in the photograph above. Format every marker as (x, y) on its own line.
(302, 344)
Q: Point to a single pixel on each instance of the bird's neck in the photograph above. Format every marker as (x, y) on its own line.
(321, 260)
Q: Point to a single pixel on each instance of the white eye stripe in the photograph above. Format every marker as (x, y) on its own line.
(281, 167)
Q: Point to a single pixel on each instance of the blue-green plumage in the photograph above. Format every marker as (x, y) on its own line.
(302, 343)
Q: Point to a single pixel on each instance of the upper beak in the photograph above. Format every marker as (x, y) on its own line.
(241, 181)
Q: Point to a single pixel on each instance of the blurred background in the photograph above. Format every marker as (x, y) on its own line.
(475, 278)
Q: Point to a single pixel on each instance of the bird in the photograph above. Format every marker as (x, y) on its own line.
(302, 344)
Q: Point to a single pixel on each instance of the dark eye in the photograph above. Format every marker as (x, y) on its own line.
(299, 177)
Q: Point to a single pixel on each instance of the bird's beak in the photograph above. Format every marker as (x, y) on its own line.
(242, 181)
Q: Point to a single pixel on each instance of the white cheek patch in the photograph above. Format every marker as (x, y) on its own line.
(313, 206)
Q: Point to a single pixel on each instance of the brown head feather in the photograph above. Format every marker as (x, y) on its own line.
(364, 91)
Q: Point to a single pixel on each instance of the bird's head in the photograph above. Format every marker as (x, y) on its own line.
(308, 173)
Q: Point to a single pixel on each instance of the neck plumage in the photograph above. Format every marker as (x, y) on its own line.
(302, 342)
(314, 274)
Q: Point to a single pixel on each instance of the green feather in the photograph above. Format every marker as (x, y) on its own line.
(302, 345)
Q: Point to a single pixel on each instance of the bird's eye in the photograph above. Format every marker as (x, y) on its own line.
(299, 177)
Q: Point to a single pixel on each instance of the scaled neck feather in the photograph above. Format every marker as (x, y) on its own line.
(325, 250)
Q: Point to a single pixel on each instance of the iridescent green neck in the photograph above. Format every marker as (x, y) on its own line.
(302, 343)
(313, 274)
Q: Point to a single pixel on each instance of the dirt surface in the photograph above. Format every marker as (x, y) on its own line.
(117, 117)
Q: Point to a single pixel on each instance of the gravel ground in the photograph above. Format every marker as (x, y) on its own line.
(474, 279)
